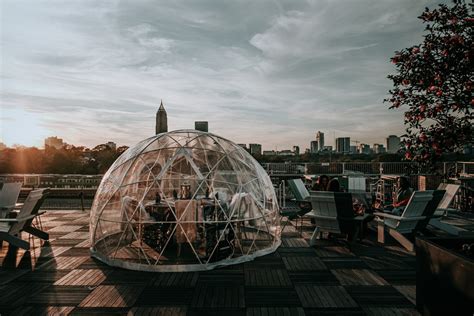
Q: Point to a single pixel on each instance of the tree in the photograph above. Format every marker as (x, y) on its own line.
(434, 80)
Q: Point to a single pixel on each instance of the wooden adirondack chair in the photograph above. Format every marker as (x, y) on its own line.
(333, 213)
(11, 228)
(400, 226)
(301, 195)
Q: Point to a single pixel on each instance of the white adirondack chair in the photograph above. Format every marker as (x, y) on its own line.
(399, 226)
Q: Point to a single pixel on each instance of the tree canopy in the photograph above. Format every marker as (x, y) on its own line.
(433, 83)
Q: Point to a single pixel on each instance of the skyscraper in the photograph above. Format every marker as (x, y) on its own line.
(255, 149)
(296, 150)
(393, 144)
(314, 146)
(53, 142)
(343, 145)
(320, 140)
(161, 120)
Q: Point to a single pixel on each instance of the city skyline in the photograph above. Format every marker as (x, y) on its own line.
(77, 71)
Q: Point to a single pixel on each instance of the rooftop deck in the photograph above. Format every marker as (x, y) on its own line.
(328, 279)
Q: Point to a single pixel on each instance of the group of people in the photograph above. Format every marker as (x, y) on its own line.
(400, 199)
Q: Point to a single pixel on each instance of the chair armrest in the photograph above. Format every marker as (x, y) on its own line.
(12, 220)
(387, 215)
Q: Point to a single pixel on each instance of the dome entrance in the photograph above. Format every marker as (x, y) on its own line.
(184, 201)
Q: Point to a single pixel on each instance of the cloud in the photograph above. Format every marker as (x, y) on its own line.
(268, 72)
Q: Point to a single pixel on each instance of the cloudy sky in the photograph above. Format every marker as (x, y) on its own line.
(271, 72)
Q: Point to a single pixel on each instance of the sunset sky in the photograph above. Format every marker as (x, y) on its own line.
(268, 72)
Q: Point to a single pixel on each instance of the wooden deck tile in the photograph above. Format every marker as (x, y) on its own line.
(43, 311)
(120, 276)
(177, 279)
(158, 296)
(64, 229)
(398, 276)
(303, 263)
(53, 251)
(112, 296)
(267, 311)
(337, 251)
(59, 295)
(385, 263)
(358, 277)
(288, 251)
(409, 291)
(39, 276)
(324, 296)
(81, 277)
(344, 263)
(218, 297)
(65, 242)
(76, 235)
(92, 263)
(294, 242)
(267, 278)
(76, 252)
(390, 311)
(271, 297)
(84, 244)
(158, 311)
(319, 277)
(378, 296)
(16, 294)
(63, 263)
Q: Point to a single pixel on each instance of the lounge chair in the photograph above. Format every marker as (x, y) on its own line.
(333, 213)
(301, 196)
(9, 193)
(406, 224)
(11, 228)
(442, 210)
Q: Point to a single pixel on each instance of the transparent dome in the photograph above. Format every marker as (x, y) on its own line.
(184, 201)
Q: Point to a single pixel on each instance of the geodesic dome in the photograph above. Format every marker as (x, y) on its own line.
(184, 201)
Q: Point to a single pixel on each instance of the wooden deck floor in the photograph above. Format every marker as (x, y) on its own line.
(60, 278)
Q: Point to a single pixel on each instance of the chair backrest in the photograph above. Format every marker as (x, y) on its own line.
(344, 208)
(430, 209)
(415, 208)
(9, 193)
(30, 207)
(299, 190)
(325, 211)
(357, 184)
(451, 190)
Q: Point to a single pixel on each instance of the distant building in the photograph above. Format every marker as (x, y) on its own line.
(202, 126)
(2, 146)
(111, 145)
(379, 149)
(53, 142)
(314, 146)
(343, 145)
(296, 150)
(364, 149)
(393, 144)
(327, 148)
(244, 146)
(255, 149)
(269, 153)
(320, 140)
(161, 120)
(307, 151)
(353, 149)
(286, 152)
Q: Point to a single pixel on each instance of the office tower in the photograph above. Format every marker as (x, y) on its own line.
(296, 150)
(393, 144)
(202, 126)
(53, 142)
(320, 140)
(111, 145)
(343, 145)
(379, 149)
(255, 149)
(364, 149)
(161, 120)
(314, 146)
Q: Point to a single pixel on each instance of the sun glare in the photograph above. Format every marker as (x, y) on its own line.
(18, 126)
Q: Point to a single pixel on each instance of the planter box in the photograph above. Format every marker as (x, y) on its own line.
(444, 277)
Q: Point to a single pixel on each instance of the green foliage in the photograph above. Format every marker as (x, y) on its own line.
(434, 83)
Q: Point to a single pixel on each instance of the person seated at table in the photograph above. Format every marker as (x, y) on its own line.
(333, 186)
(402, 197)
(321, 184)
